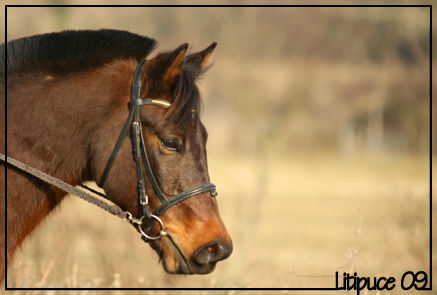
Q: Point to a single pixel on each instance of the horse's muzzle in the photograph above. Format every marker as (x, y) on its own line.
(211, 253)
(203, 261)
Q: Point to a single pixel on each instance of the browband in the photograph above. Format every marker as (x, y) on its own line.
(150, 101)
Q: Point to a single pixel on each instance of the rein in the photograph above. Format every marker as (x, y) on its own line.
(113, 209)
(140, 153)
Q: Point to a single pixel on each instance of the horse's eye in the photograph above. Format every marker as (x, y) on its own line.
(170, 144)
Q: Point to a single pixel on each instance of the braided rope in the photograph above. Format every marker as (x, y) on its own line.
(113, 209)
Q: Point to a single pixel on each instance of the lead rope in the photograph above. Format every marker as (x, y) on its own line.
(113, 209)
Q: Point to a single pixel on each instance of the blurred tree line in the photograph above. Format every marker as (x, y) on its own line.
(344, 79)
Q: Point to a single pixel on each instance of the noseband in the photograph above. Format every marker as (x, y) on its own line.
(139, 153)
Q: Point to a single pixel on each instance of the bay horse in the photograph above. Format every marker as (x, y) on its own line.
(69, 96)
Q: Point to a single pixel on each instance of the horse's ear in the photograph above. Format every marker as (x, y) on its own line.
(176, 62)
(199, 59)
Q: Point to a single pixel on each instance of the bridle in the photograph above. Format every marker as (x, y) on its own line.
(139, 152)
(147, 220)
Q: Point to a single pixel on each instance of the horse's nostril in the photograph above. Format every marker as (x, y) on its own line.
(212, 252)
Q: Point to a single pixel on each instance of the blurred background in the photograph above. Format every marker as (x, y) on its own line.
(319, 136)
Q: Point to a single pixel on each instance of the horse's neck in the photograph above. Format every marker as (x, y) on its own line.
(44, 129)
(50, 125)
(52, 122)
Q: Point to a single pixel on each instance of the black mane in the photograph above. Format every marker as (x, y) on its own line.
(72, 51)
(67, 52)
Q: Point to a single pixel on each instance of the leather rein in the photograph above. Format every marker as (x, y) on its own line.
(147, 220)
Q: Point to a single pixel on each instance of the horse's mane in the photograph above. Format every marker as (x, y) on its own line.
(72, 51)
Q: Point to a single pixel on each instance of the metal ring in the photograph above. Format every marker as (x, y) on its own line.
(162, 232)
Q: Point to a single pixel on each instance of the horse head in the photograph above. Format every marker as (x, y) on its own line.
(174, 140)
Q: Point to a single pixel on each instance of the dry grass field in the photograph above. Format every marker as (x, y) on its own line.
(294, 222)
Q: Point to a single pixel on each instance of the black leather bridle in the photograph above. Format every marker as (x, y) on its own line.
(139, 152)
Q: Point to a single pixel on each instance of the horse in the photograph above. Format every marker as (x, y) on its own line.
(70, 95)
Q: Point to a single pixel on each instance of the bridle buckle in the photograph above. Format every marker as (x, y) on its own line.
(145, 202)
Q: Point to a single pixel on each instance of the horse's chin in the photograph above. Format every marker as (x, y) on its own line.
(175, 262)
